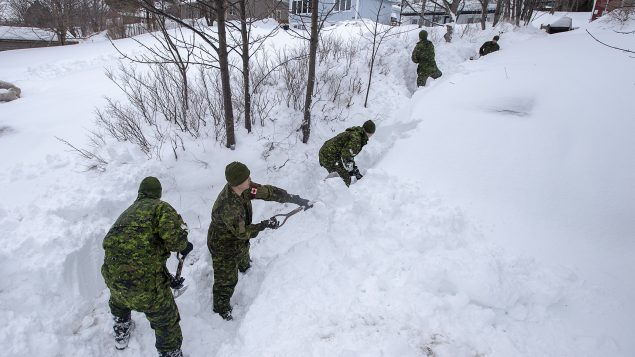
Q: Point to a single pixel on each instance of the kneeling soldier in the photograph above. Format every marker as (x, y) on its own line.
(338, 154)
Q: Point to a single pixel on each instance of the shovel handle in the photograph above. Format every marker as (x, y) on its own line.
(287, 215)
(179, 268)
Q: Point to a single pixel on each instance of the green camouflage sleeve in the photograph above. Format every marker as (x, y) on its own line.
(415, 55)
(171, 227)
(268, 193)
(234, 220)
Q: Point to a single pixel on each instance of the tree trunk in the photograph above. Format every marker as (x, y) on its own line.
(374, 51)
(422, 15)
(497, 13)
(507, 10)
(484, 5)
(245, 56)
(313, 44)
(370, 75)
(223, 61)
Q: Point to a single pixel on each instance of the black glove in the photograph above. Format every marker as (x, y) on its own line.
(356, 173)
(176, 283)
(306, 204)
(270, 223)
(187, 250)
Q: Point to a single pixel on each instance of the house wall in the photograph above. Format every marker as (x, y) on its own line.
(343, 10)
(276, 9)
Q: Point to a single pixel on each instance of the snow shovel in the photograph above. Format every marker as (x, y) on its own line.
(287, 215)
(331, 175)
(176, 281)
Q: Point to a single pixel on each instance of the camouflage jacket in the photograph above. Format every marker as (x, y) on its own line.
(423, 55)
(138, 245)
(345, 146)
(232, 216)
(488, 47)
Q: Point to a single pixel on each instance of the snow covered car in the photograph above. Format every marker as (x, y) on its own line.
(563, 24)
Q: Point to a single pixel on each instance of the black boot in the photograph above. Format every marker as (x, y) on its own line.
(225, 314)
(122, 328)
(175, 353)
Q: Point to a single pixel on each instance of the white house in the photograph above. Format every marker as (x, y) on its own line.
(342, 10)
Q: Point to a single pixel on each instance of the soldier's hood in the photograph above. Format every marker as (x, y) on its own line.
(423, 35)
(150, 187)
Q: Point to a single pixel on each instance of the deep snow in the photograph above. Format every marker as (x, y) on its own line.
(493, 218)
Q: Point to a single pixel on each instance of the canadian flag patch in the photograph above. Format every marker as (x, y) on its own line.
(254, 191)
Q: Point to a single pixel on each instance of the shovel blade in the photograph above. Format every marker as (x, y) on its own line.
(179, 292)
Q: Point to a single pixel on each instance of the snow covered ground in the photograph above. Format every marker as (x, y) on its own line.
(494, 217)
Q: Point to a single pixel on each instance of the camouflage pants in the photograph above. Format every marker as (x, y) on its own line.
(226, 267)
(332, 164)
(163, 315)
(422, 76)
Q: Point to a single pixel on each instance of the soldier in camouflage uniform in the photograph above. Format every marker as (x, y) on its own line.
(231, 229)
(423, 55)
(337, 154)
(137, 247)
(489, 47)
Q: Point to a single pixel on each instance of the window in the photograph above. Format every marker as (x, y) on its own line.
(301, 7)
(342, 5)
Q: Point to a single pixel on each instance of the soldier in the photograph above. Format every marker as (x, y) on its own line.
(337, 154)
(137, 247)
(231, 229)
(423, 55)
(489, 47)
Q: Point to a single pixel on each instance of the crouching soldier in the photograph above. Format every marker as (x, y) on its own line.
(137, 247)
(231, 229)
(337, 154)
(489, 47)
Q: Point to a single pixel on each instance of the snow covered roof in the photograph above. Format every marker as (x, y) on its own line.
(26, 34)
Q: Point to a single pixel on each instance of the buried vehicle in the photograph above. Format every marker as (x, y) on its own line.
(563, 24)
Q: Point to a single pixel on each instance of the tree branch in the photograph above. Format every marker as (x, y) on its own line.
(607, 45)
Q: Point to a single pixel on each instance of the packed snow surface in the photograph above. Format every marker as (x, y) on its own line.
(494, 217)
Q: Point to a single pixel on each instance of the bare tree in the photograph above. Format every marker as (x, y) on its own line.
(219, 51)
(498, 12)
(484, 6)
(78, 17)
(422, 14)
(313, 44)
(248, 15)
(452, 8)
(223, 60)
(317, 18)
(3, 12)
(515, 11)
(378, 34)
(55, 15)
